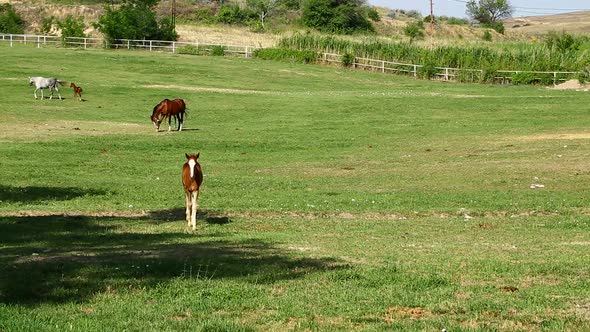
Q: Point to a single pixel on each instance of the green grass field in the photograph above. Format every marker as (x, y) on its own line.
(333, 200)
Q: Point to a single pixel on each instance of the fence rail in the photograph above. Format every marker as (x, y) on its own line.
(447, 73)
(150, 45)
(441, 73)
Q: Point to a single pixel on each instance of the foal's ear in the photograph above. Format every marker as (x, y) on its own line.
(198, 154)
(187, 157)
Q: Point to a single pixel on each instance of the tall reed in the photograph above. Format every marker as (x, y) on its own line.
(515, 56)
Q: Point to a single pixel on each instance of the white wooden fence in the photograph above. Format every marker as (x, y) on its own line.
(150, 45)
(445, 73)
(441, 73)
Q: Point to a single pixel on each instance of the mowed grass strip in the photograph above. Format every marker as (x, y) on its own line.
(333, 199)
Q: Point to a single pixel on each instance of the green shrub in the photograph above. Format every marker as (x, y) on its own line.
(413, 13)
(497, 26)
(191, 49)
(284, 54)
(347, 59)
(487, 36)
(428, 70)
(46, 25)
(532, 78)
(230, 14)
(584, 75)
(218, 50)
(71, 27)
(10, 21)
(373, 14)
(414, 30)
(457, 21)
(205, 14)
(564, 41)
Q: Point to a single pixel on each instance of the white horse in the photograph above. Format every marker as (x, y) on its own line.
(45, 83)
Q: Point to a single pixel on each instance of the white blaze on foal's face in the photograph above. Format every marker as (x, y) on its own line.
(191, 164)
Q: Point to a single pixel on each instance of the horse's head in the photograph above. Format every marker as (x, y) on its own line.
(192, 156)
(155, 117)
(31, 80)
(193, 164)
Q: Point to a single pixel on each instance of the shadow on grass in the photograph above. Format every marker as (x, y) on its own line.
(60, 259)
(210, 217)
(10, 194)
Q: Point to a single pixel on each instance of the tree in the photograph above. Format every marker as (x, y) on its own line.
(10, 21)
(135, 19)
(262, 8)
(71, 27)
(489, 12)
(336, 16)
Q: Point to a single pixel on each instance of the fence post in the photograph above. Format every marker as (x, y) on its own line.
(10, 40)
(128, 46)
(554, 78)
(382, 66)
(85, 42)
(38, 42)
(446, 74)
(415, 70)
(150, 45)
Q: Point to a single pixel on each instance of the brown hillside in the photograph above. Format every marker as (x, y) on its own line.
(575, 22)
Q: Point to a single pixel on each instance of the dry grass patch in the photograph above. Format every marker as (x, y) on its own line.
(64, 128)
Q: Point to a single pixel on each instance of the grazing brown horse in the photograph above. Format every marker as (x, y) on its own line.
(77, 91)
(192, 177)
(167, 109)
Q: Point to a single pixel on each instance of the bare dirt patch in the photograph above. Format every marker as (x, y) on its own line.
(393, 314)
(556, 136)
(571, 85)
(68, 128)
(204, 89)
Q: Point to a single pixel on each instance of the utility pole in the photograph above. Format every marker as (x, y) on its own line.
(431, 16)
(173, 15)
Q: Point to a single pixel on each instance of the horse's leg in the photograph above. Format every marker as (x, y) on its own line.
(194, 198)
(35, 93)
(180, 121)
(59, 94)
(187, 195)
(169, 122)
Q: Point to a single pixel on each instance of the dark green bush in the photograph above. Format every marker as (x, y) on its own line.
(347, 59)
(428, 70)
(487, 36)
(134, 20)
(284, 54)
(218, 50)
(343, 17)
(230, 14)
(10, 21)
(532, 78)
